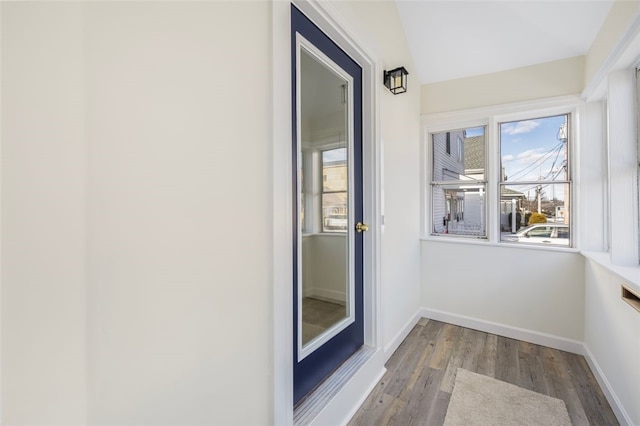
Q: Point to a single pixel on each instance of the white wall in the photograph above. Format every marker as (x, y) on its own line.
(378, 24)
(611, 336)
(136, 213)
(43, 215)
(136, 209)
(324, 267)
(535, 290)
(611, 325)
(557, 78)
(621, 17)
(178, 202)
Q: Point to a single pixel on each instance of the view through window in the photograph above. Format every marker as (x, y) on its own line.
(458, 182)
(535, 184)
(334, 190)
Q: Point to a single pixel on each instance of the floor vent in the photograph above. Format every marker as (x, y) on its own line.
(631, 298)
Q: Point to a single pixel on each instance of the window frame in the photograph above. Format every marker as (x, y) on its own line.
(313, 182)
(322, 191)
(491, 117)
(453, 184)
(542, 182)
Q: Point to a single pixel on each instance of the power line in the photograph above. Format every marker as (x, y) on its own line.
(553, 165)
(540, 160)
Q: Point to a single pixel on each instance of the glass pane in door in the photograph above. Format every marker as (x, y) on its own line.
(324, 284)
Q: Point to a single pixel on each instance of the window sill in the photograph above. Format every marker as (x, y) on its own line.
(630, 274)
(324, 234)
(485, 242)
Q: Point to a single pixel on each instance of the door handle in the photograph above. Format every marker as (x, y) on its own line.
(361, 227)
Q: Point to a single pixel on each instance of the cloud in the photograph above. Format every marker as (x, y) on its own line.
(531, 155)
(507, 158)
(524, 165)
(520, 127)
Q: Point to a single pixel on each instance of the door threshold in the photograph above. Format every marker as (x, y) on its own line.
(307, 410)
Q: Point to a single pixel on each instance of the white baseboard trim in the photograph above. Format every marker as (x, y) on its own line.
(391, 347)
(621, 414)
(326, 294)
(538, 338)
(556, 342)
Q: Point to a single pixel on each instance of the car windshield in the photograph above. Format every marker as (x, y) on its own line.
(524, 230)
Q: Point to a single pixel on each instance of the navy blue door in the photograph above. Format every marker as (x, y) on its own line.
(330, 209)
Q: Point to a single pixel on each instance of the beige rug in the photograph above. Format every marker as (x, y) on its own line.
(481, 400)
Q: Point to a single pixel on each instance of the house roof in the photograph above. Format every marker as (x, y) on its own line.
(474, 153)
(510, 193)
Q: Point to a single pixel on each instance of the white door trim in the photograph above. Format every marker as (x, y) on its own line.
(337, 29)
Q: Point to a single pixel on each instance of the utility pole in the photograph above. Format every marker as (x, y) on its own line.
(563, 136)
(539, 188)
(539, 191)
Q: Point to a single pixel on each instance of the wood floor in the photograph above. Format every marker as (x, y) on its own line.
(420, 375)
(319, 315)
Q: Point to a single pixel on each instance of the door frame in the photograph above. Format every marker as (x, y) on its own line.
(332, 24)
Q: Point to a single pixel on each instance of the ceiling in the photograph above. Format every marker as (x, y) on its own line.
(452, 39)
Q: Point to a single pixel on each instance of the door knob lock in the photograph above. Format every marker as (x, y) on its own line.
(361, 227)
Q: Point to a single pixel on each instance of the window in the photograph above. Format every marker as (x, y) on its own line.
(334, 190)
(535, 184)
(458, 184)
(494, 174)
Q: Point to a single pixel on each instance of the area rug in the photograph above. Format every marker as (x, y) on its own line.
(480, 400)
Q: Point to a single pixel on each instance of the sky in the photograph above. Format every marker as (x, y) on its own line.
(531, 150)
(338, 154)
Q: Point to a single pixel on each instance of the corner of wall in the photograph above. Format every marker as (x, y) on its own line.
(614, 36)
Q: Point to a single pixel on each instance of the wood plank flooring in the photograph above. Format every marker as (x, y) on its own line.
(318, 316)
(420, 375)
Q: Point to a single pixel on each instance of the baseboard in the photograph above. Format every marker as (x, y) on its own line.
(325, 294)
(621, 414)
(556, 342)
(538, 338)
(391, 347)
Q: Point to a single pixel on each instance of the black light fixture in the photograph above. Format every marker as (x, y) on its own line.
(396, 80)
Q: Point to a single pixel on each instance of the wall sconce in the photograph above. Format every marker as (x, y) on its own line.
(396, 80)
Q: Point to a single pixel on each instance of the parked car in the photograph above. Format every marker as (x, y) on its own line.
(542, 233)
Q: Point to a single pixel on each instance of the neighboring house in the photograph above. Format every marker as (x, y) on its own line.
(448, 165)
(334, 195)
(510, 202)
(459, 208)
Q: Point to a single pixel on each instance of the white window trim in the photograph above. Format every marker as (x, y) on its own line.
(431, 183)
(622, 168)
(491, 117)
